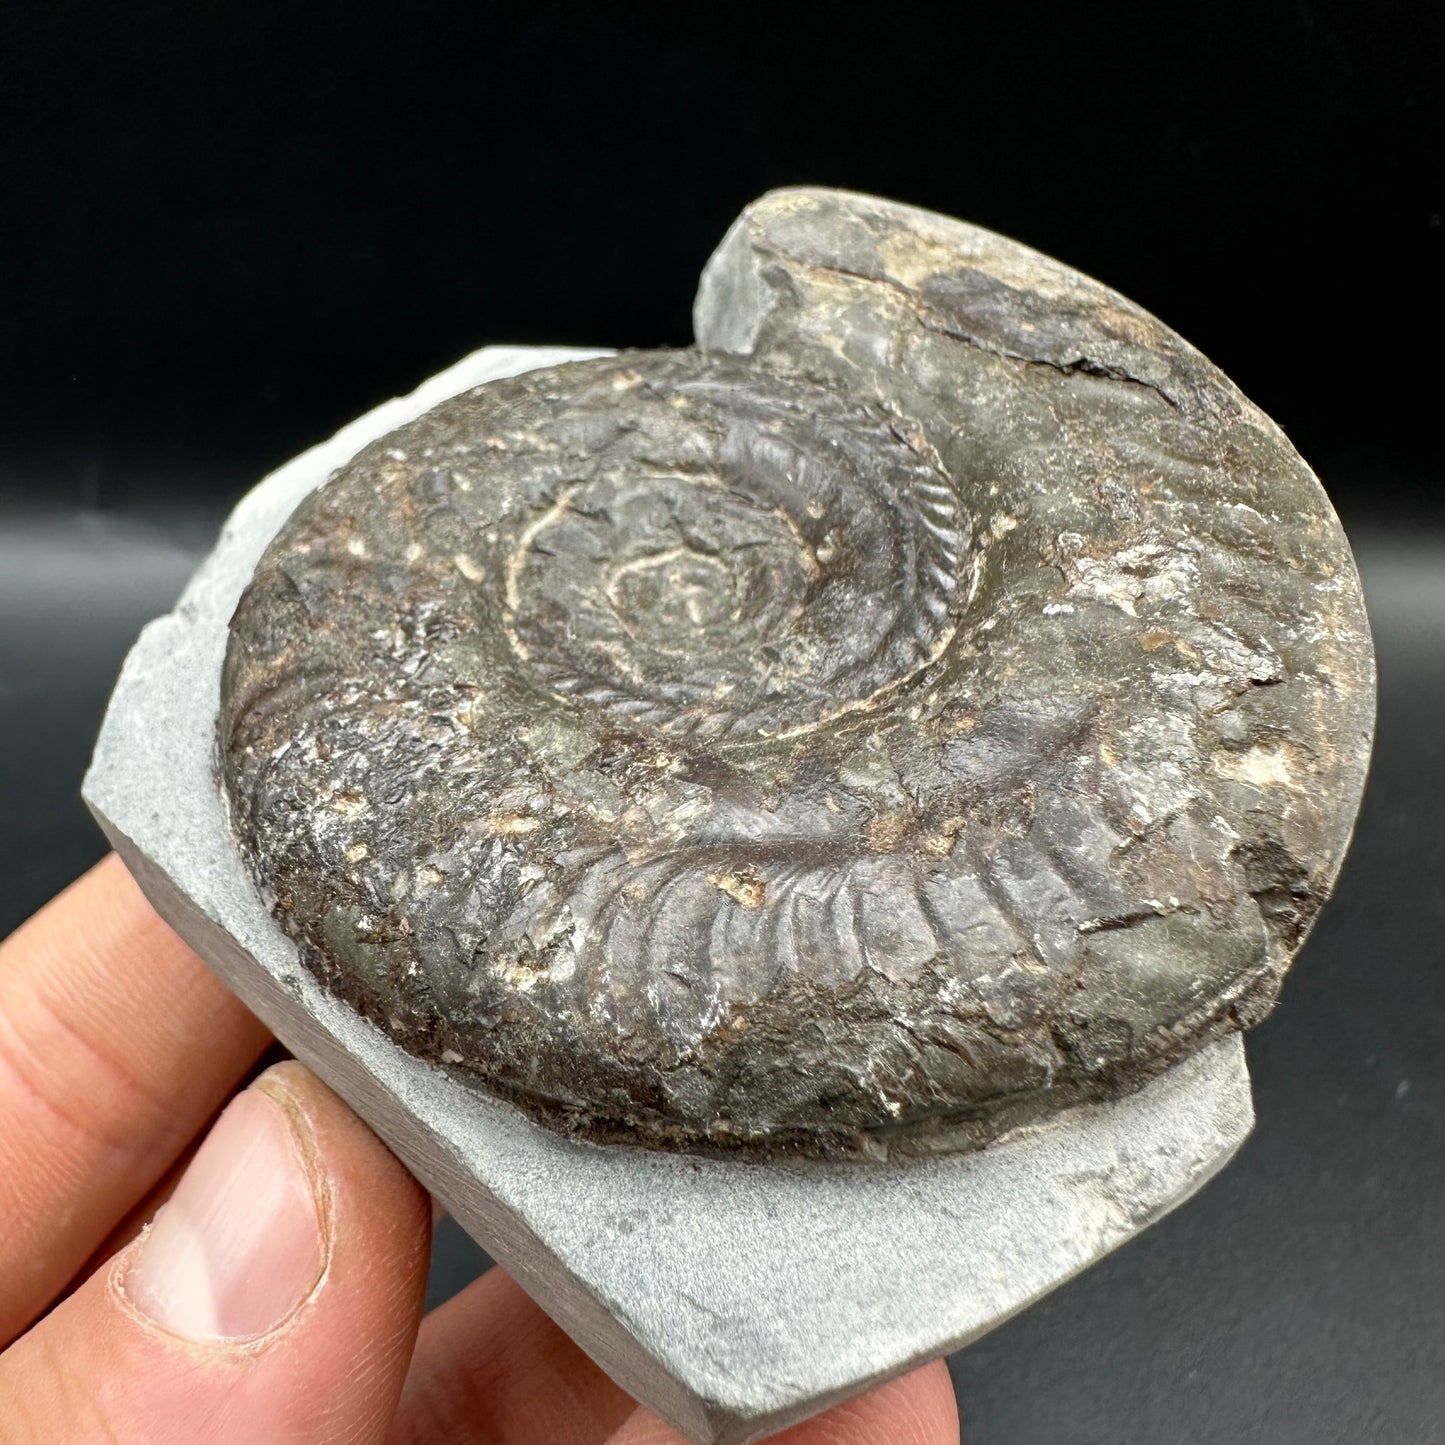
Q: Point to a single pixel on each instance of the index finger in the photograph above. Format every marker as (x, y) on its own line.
(116, 1045)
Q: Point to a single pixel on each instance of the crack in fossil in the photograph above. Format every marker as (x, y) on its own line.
(928, 317)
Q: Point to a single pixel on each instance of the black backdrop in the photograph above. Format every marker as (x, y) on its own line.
(227, 228)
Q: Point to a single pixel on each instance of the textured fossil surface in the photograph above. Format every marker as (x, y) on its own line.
(935, 699)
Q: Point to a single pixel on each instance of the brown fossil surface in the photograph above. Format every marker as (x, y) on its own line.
(936, 698)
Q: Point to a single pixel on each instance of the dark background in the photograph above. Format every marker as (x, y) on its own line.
(226, 229)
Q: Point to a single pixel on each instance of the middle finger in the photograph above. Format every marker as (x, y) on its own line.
(491, 1367)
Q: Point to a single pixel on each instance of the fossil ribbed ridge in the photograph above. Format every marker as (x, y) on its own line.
(935, 699)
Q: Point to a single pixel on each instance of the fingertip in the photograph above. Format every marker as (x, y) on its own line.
(919, 1408)
(916, 1409)
(359, 1171)
(378, 1218)
(926, 1400)
(276, 1296)
(245, 1238)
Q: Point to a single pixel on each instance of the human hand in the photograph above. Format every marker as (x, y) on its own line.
(278, 1295)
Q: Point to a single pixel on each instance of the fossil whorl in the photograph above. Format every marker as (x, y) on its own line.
(936, 699)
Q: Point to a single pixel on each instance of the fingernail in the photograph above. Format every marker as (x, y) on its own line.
(239, 1244)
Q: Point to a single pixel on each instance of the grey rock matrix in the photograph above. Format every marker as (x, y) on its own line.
(937, 699)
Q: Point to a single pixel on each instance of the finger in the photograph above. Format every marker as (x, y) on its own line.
(135, 1222)
(116, 1045)
(275, 1298)
(144, 1210)
(917, 1409)
(491, 1367)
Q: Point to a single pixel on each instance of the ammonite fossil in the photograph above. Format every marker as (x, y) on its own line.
(936, 698)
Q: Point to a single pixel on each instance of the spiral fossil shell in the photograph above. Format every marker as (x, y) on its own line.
(936, 698)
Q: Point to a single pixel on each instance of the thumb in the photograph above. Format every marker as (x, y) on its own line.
(275, 1298)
